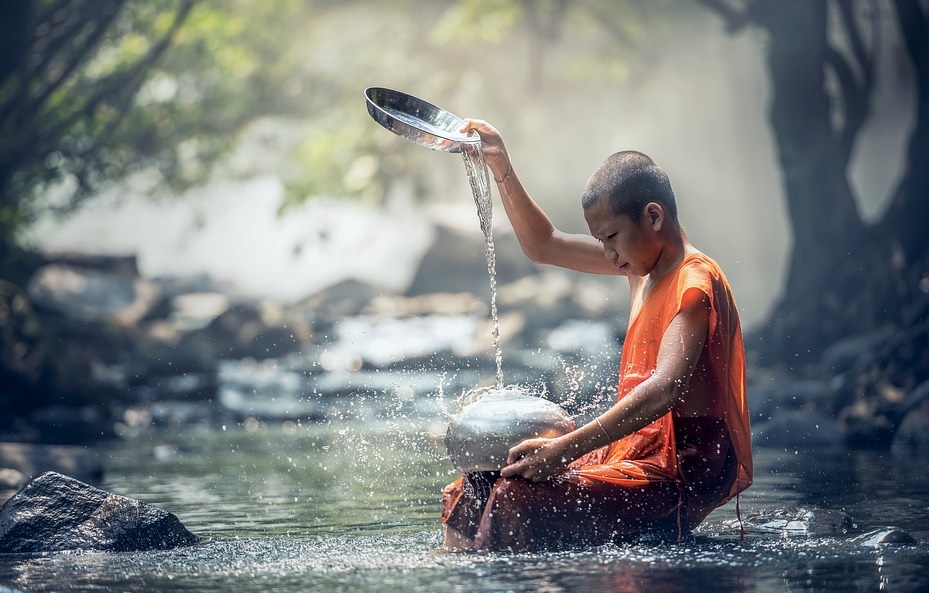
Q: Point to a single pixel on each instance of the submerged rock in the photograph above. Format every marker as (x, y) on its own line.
(884, 535)
(797, 521)
(54, 513)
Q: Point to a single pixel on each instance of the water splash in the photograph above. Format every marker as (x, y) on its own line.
(410, 561)
(473, 155)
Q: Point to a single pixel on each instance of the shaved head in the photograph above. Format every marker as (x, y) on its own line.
(629, 180)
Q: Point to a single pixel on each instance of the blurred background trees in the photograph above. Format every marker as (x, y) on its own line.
(90, 93)
(846, 276)
(94, 91)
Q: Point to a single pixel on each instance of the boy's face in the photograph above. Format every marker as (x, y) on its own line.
(632, 246)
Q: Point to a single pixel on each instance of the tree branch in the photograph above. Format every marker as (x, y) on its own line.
(59, 31)
(80, 54)
(22, 103)
(52, 10)
(119, 88)
(125, 84)
(856, 96)
(864, 59)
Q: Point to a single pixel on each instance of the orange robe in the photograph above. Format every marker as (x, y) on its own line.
(665, 477)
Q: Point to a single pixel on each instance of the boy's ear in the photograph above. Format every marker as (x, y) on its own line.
(656, 214)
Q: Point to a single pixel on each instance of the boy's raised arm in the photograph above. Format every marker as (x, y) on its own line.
(538, 237)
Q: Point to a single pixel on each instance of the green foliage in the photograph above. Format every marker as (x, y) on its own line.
(337, 156)
(488, 21)
(347, 155)
(344, 155)
(95, 94)
(95, 90)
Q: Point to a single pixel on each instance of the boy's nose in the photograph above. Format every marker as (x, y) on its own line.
(609, 253)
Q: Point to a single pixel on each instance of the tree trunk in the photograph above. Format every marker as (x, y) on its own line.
(901, 233)
(908, 214)
(823, 213)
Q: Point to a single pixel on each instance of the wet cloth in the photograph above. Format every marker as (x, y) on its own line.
(664, 478)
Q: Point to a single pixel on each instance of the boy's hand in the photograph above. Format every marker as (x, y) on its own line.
(495, 153)
(536, 460)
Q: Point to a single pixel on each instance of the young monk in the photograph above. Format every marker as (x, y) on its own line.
(676, 444)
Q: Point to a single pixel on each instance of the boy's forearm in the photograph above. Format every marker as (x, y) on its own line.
(649, 401)
(661, 392)
(534, 229)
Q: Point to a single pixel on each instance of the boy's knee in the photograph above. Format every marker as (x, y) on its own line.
(511, 488)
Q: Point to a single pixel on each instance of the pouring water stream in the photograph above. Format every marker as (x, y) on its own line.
(433, 127)
(473, 156)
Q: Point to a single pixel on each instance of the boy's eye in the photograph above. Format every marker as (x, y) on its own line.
(611, 237)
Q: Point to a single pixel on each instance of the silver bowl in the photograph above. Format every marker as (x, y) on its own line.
(480, 436)
(417, 120)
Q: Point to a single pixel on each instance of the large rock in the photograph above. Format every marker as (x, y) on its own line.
(91, 295)
(878, 395)
(343, 299)
(456, 263)
(242, 331)
(123, 265)
(854, 351)
(53, 383)
(912, 436)
(551, 297)
(55, 513)
(22, 350)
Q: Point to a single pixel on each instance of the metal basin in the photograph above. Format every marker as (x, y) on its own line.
(479, 437)
(417, 120)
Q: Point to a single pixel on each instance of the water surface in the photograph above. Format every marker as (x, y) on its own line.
(354, 506)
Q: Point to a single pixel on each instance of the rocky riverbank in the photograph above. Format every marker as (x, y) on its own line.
(92, 350)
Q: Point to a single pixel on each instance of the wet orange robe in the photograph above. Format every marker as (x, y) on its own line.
(664, 478)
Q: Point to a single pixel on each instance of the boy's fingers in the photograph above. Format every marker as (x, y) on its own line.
(516, 452)
(513, 469)
(477, 125)
(470, 124)
(520, 450)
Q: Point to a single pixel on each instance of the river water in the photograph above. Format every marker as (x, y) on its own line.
(353, 505)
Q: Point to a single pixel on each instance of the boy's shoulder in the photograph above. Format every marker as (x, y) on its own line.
(701, 271)
(701, 263)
